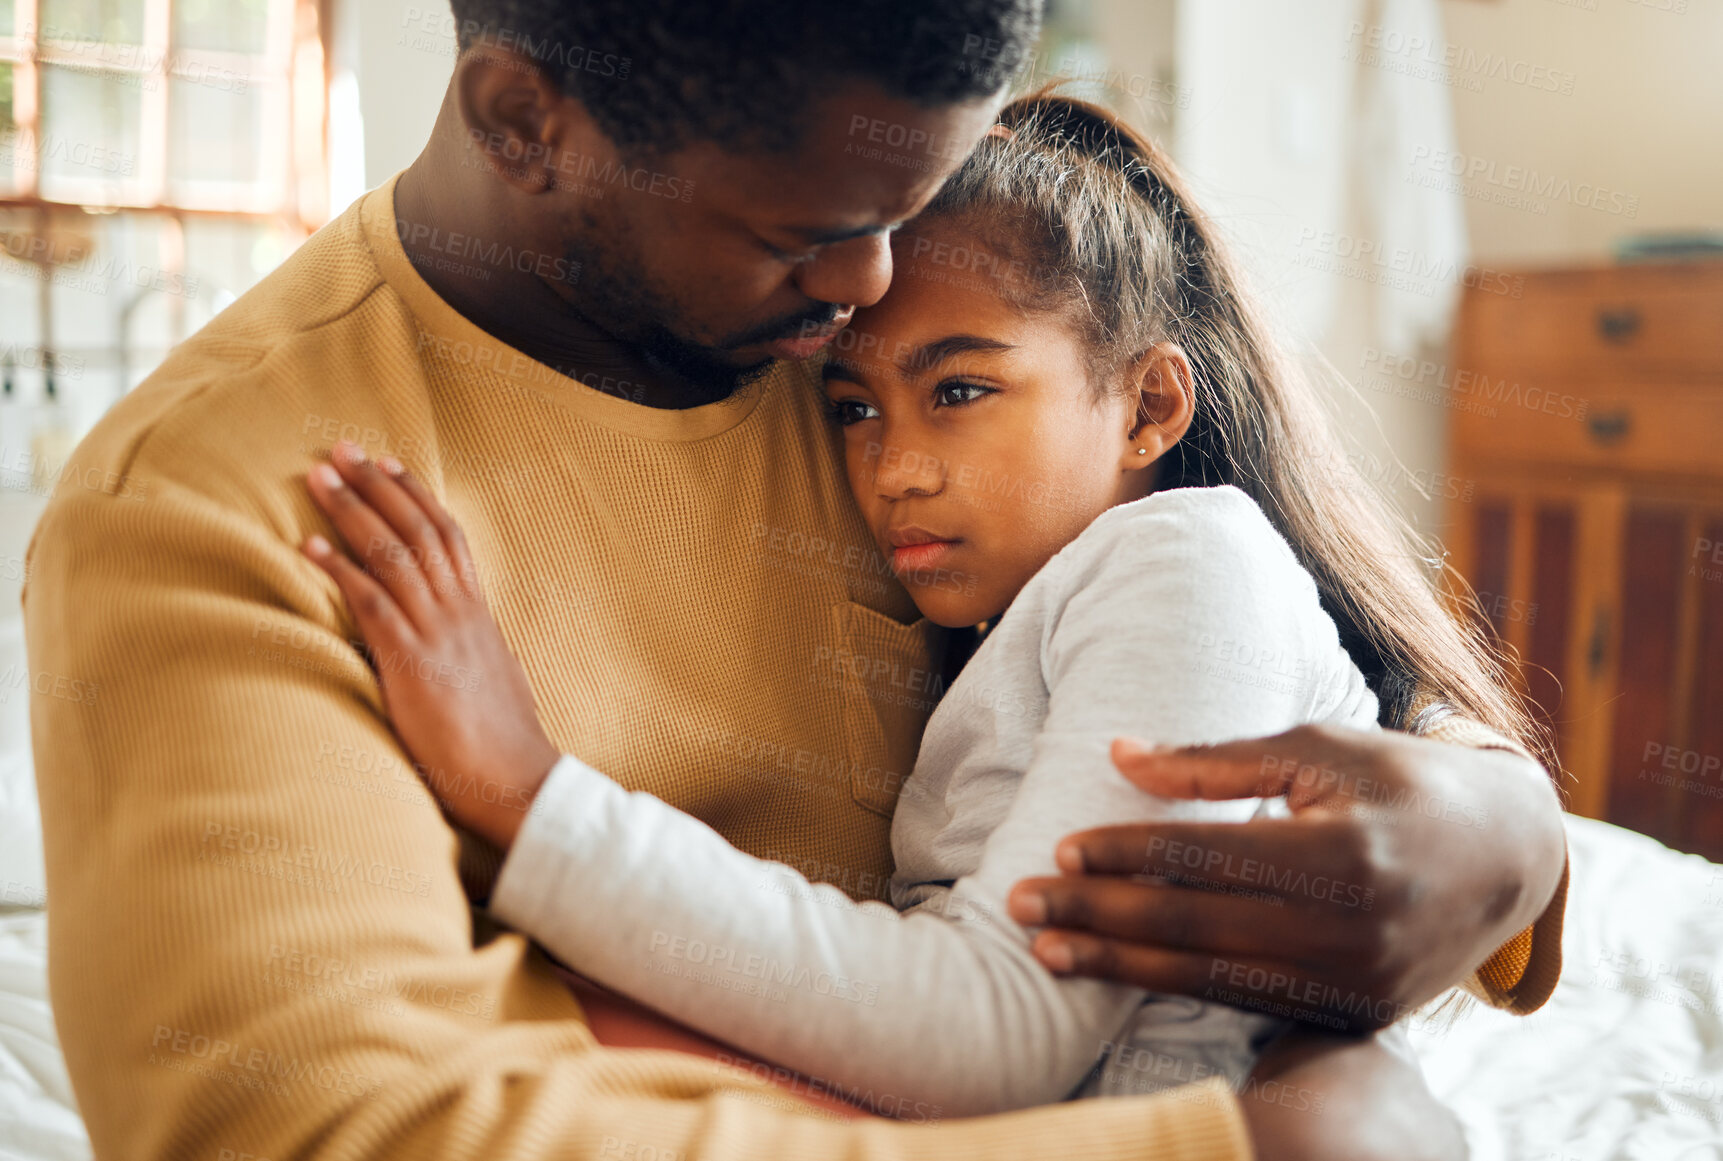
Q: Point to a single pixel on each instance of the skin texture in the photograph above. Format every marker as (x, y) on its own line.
(1342, 1098)
(946, 390)
(751, 249)
(1380, 936)
(418, 604)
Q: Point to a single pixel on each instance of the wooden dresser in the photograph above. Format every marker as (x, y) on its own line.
(1588, 429)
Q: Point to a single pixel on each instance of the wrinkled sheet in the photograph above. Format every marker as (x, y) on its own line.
(38, 1117)
(1626, 1060)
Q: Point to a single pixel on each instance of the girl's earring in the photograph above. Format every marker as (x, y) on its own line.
(1142, 451)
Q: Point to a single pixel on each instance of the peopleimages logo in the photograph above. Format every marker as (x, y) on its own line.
(1519, 186)
(1420, 56)
(1473, 386)
(23, 150)
(1398, 267)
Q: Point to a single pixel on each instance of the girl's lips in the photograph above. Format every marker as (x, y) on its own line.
(919, 557)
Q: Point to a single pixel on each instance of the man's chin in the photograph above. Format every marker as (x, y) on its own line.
(717, 372)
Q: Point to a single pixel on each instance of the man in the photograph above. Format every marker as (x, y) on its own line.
(580, 316)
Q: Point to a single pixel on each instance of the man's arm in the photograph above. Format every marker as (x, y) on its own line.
(259, 940)
(1459, 851)
(1522, 973)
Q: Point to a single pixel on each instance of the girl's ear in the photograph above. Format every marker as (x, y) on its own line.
(1166, 396)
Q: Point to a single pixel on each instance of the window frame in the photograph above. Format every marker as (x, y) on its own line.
(293, 187)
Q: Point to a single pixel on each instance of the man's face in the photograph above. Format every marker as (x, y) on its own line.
(718, 262)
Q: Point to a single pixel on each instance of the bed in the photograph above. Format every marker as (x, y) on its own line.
(1625, 1062)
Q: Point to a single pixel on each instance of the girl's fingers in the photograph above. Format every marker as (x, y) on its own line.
(374, 543)
(454, 540)
(407, 520)
(385, 628)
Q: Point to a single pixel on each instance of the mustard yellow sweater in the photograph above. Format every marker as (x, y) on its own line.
(261, 940)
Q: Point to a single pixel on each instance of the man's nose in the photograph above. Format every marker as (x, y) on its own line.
(901, 470)
(856, 272)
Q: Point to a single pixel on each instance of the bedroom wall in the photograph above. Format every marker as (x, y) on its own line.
(1644, 120)
(405, 56)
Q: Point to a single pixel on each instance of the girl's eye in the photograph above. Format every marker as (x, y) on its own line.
(958, 393)
(848, 411)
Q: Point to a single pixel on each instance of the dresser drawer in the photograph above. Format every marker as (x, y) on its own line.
(1664, 428)
(1645, 322)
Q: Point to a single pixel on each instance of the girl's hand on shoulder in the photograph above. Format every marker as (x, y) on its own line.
(458, 698)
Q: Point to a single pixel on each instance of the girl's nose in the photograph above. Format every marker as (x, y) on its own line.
(900, 471)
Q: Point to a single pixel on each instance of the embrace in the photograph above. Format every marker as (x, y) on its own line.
(766, 598)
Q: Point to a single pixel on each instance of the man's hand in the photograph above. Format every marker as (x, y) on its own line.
(1406, 864)
(458, 699)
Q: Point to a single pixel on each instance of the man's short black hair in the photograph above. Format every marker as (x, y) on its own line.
(658, 74)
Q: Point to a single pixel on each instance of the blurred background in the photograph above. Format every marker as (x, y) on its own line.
(1499, 221)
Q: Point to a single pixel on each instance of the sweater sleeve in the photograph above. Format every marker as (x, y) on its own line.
(253, 953)
(945, 1002)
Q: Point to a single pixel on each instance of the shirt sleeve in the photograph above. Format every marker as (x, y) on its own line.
(944, 1002)
(254, 950)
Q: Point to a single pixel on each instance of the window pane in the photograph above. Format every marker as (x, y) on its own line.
(226, 257)
(215, 135)
(5, 17)
(90, 127)
(10, 145)
(220, 25)
(108, 21)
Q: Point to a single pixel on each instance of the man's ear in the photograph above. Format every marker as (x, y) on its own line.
(520, 126)
(1166, 394)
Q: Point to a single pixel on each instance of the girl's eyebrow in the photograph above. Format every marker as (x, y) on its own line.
(930, 355)
(920, 359)
(835, 367)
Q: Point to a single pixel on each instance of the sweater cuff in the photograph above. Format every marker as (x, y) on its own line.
(1521, 976)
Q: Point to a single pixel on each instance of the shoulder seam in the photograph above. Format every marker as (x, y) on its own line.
(137, 447)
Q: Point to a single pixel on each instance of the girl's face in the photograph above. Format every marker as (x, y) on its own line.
(976, 444)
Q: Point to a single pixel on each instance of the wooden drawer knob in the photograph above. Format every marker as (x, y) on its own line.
(1609, 428)
(1618, 324)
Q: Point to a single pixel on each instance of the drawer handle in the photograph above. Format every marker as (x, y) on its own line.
(1609, 427)
(1597, 649)
(1618, 325)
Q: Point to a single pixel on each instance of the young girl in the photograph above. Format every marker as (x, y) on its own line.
(1066, 427)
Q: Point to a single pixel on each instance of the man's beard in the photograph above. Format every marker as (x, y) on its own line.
(639, 314)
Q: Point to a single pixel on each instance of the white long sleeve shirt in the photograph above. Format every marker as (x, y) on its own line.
(1181, 618)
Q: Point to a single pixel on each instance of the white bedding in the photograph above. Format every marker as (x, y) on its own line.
(1626, 1061)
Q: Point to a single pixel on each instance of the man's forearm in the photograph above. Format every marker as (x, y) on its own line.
(1532, 837)
(1456, 850)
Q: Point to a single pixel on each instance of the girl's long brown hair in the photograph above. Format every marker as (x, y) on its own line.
(1097, 219)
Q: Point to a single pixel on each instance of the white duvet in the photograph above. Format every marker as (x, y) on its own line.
(1626, 1061)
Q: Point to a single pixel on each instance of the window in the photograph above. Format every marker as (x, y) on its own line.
(156, 158)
